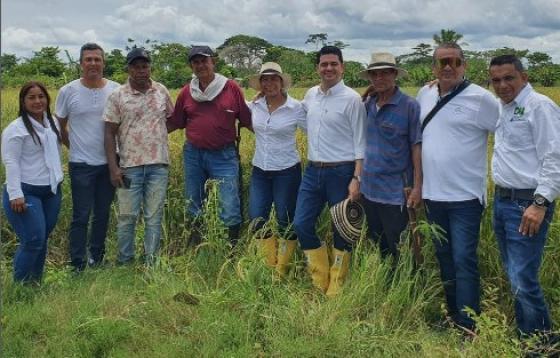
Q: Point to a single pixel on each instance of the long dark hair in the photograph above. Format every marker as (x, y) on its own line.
(25, 117)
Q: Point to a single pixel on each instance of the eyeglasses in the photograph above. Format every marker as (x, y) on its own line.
(454, 62)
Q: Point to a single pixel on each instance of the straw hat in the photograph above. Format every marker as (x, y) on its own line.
(270, 68)
(381, 60)
(348, 218)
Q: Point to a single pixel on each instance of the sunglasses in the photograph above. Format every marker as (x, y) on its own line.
(453, 62)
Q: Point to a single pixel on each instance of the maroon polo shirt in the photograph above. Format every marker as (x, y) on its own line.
(211, 125)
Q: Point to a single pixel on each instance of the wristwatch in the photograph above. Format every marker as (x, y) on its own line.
(540, 201)
(358, 178)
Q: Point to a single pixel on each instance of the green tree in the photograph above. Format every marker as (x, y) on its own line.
(115, 66)
(244, 53)
(352, 77)
(319, 40)
(169, 64)
(46, 61)
(8, 62)
(448, 35)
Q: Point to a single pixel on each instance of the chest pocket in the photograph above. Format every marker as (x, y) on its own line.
(518, 134)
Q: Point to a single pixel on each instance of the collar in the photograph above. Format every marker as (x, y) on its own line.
(135, 91)
(337, 88)
(395, 98)
(290, 103)
(521, 96)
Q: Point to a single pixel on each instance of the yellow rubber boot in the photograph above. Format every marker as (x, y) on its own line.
(338, 272)
(286, 249)
(318, 267)
(267, 250)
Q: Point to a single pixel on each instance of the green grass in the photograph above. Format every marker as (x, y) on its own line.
(242, 310)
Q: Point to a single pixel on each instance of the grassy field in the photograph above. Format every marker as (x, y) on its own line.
(206, 303)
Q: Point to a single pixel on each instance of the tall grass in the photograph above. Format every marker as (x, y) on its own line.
(206, 302)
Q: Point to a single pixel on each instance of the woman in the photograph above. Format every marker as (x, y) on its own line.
(31, 198)
(276, 165)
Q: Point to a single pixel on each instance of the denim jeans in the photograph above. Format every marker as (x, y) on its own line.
(92, 194)
(148, 189)
(274, 186)
(222, 165)
(32, 228)
(457, 255)
(522, 257)
(320, 186)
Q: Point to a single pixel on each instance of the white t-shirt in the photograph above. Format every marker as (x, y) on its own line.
(454, 144)
(84, 109)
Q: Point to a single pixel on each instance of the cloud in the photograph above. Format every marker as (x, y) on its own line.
(395, 26)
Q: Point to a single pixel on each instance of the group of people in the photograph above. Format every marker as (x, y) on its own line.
(387, 150)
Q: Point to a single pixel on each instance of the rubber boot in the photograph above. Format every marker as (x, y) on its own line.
(286, 249)
(318, 267)
(233, 235)
(267, 250)
(338, 272)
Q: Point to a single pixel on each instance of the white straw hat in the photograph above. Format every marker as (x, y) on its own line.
(270, 68)
(381, 60)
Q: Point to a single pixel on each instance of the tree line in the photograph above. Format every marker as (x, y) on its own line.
(241, 55)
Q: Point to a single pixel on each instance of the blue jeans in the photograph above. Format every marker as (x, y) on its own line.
(522, 257)
(148, 188)
(222, 165)
(320, 186)
(92, 193)
(32, 228)
(457, 255)
(274, 186)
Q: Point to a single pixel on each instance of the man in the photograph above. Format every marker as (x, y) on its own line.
(136, 116)
(526, 170)
(454, 156)
(393, 154)
(208, 108)
(336, 122)
(79, 108)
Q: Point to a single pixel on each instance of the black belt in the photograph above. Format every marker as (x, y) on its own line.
(329, 164)
(507, 193)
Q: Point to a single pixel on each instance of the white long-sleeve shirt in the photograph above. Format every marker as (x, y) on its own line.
(336, 124)
(275, 133)
(27, 161)
(527, 144)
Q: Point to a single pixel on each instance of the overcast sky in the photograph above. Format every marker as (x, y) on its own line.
(367, 25)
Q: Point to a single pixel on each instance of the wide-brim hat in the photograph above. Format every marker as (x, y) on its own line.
(267, 69)
(381, 60)
(348, 217)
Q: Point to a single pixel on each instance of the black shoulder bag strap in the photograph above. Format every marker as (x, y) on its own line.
(443, 102)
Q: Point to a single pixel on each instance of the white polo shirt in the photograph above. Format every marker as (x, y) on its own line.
(275, 133)
(336, 124)
(527, 147)
(454, 144)
(84, 109)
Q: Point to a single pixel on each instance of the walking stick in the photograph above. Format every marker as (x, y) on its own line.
(240, 178)
(416, 241)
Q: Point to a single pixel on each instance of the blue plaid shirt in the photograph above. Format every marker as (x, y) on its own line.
(391, 132)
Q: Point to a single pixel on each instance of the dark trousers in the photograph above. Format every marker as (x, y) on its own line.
(386, 222)
(92, 195)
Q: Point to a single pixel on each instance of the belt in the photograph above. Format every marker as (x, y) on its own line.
(329, 164)
(508, 193)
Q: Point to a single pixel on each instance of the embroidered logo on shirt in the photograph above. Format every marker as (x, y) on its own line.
(518, 113)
